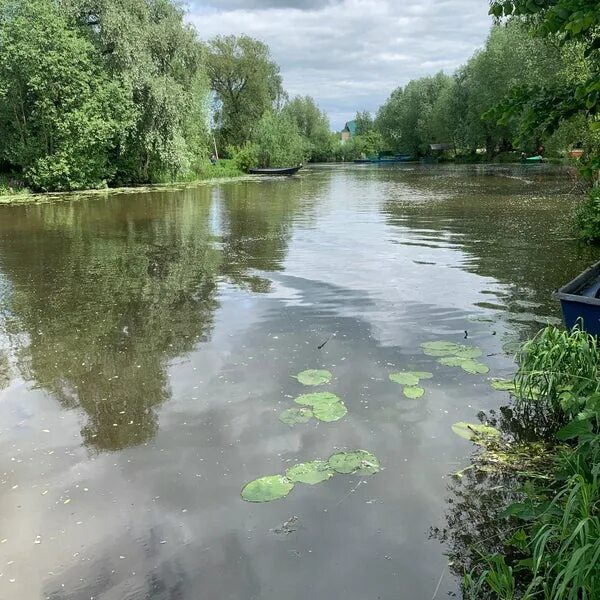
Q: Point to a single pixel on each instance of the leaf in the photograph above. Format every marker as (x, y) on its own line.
(470, 431)
(311, 472)
(452, 361)
(413, 392)
(442, 348)
(409, 377)
(294, 416)
(404, 378)
(330, 412)
(267, 489)
(360, 462)
(574, 429)
(474, 367)
(314, 377)
(503, 385)
(317, 399)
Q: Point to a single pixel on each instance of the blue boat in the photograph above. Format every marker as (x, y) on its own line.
(580, 300)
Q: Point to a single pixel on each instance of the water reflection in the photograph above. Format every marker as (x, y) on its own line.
(109, 292)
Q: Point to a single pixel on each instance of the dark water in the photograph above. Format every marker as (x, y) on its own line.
(146, 347)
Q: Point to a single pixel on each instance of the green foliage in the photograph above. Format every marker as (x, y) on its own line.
(278, 141)
(313, 124)
(245, 157)
(364, 122)
(557, 379)
(587, 218)
(59, 112)
(246, 83)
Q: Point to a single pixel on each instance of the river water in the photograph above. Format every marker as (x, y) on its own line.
(147, 346)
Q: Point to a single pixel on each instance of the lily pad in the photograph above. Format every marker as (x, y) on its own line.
(267, 489)
(311, 472)
(317, 399)
(503, 385)
(474, 367)
(442, 348)
(314, 377)
(330, 412)
(466, 364)
(404, 378)
(410, 377)
(294, 416)
(413, 392)
(469, 431)
(360, 462)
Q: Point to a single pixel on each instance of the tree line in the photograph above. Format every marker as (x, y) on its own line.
(469, 109)
(96, 93)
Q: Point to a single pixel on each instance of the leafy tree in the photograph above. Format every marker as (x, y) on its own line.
(59, 113)
(279, 141)
(246, 83)
(313, 124)
(364, 122)
(157, 58)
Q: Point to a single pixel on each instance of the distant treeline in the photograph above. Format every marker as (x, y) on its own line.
(465, 109)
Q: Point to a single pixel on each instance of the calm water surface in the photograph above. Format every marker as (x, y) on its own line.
(147, 343)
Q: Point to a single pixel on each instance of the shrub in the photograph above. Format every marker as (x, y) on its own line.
(587, 218)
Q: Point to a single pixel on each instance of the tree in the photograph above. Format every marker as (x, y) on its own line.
(59, 112)
(364, 122)
(246, 83)
(313, 124)
(279, 141)
(157, 58)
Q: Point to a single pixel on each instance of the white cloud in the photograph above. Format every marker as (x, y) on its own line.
(350, 54)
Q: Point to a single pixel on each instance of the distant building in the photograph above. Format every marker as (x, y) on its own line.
(349, 131)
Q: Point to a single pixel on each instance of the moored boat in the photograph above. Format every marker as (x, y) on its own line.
(275, 171)
(580, 300)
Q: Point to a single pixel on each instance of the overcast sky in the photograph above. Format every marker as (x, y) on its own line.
(350, 54)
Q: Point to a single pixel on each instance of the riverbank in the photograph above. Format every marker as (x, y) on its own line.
(13, 191)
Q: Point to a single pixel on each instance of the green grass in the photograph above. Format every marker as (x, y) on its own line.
(11, 185)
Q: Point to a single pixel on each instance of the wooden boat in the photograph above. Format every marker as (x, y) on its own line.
(580, 300)
(279, 171)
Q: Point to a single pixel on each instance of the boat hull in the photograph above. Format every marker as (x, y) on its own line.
(283, 171)
(579, 301)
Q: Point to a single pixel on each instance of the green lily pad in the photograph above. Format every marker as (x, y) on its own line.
(410, 377)
(470, 431)
(441, 348)
(474, 367)
(314, 377)
(317, 399)
(267, 489)
(294, 416)
(360, 462)
(503, 385)
(404, 378)
(330, 412)
(466, 364)
(311, 472)
(452, 361)
(413, 392)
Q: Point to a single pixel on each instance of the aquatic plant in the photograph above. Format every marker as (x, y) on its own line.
(325, 406)
(313, 377)
(274, 487)
(411, 380)
(294, 416)
(451, 354)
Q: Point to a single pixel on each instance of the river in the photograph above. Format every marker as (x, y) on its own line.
(147, 346)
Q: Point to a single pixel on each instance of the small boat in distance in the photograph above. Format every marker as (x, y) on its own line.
(276, 171)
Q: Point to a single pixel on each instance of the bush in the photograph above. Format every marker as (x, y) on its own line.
(587, 218)
(279, 141)
(245, 157)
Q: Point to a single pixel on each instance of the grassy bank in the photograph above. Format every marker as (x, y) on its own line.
(538, 532)
(12, 189)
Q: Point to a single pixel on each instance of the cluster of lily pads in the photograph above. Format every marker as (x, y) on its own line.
(274, 487)
(323, 406)
(451, 354)
(411, 380)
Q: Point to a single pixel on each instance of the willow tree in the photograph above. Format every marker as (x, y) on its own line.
(246, 83)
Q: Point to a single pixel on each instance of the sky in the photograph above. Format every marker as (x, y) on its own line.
(349, 55)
